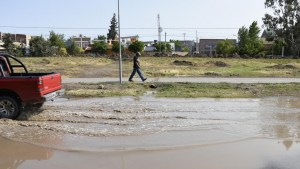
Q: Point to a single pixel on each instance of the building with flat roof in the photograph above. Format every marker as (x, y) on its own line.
(18, 39)
(209, 46)
(82, 41)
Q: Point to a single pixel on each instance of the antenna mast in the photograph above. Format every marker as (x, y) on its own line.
(159, 28)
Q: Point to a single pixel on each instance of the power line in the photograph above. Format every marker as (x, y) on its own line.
(128, 28)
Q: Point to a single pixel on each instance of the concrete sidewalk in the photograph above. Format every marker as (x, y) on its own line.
(187, 79)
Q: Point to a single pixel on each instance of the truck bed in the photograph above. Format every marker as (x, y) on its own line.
(31, 87)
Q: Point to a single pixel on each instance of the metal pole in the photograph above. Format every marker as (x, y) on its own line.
(165, 42)
(120, 45)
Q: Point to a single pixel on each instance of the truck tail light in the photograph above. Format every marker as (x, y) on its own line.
(40, 85)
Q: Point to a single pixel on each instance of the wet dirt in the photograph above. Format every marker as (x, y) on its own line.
(147, 132)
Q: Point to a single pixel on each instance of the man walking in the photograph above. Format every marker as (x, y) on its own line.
(137, 68)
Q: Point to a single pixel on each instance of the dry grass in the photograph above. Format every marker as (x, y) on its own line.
(165, 66)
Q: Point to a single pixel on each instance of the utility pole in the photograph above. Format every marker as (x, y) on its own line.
(197, 42)
(165, 42)
(184, 39)
(120, 45)
(159, 28)
(159, 32)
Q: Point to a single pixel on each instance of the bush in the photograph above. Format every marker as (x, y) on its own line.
(136, 46)
(62, 52)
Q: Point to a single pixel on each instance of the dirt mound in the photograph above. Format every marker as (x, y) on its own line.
(217, 63)
(212, 74)
(45, 61)
(281, 66)
(184, 63)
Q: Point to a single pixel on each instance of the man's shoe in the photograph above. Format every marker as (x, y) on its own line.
(130, 80)
(144, 79)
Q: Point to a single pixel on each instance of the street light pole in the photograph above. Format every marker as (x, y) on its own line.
(120, 45)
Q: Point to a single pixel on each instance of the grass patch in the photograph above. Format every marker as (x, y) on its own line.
(183, 90)
(104, 89)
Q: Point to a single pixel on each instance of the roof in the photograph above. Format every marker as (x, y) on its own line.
(268, 34)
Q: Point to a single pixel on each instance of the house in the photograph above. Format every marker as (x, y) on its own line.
(268, 38)
(208, 46)
(82, 41)
(126, 41)
(149, 46)
(18, 39)
(188, 43)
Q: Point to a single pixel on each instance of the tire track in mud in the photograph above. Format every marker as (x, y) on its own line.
(95, 119)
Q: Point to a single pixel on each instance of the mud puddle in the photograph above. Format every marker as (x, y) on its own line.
(263, 132)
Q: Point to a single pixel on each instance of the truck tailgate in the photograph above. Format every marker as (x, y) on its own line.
(50, 83)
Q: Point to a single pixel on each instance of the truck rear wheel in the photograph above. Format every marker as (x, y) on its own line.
(9, 107)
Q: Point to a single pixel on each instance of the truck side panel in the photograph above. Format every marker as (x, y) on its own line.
(26, 88)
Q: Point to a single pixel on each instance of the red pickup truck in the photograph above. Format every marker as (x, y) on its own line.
(18, 88)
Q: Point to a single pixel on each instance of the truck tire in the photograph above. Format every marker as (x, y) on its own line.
(9, 107)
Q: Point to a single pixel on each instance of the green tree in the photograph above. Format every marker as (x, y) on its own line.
(112, 31)
(161, 47)
(178, 44)
(116, 47)
(10, 48)
(243, 40)
(73, 49)
(101, 37)
(255, 45)
(283, 20)
(56, 40)
(136, 46)
(226, 47)
(249, 41)
(99, 48)
(39, 46)
(62, 52)
(278, 45)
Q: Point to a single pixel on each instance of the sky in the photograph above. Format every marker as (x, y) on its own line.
(180, 19)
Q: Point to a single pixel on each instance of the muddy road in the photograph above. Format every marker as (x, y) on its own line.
(265, 132)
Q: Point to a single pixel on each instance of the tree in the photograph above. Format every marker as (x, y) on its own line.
(56, 40)
(255, 45)
(243, 40)
(73, 49)
(249, 42)
(112, 31)
(39, 46)
(226, 47)
(101, 37)
(116, 47)
(283, 20)
(136, 46)
(278, 46)
(99, 48)
(161, 47)
(10, 48)
(178, 44)
(63, 52)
